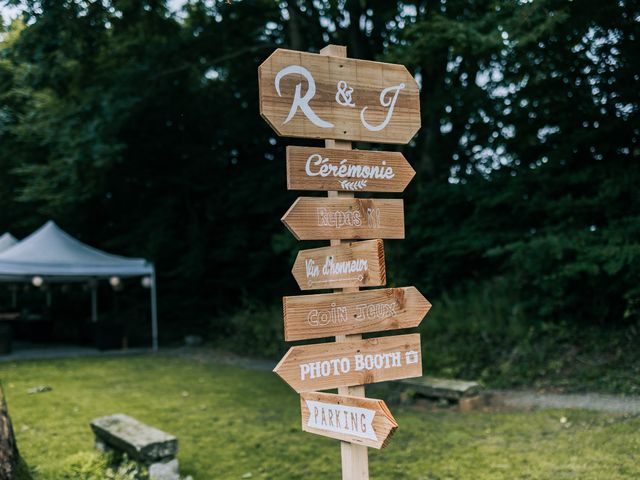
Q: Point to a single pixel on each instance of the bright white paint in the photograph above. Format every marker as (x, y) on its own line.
(299, 101)
(317, 165)
(343, 97)
(343, 94)
(359, 362)
(412, 357)
(331, 267)
(391, 103)
(355, 421)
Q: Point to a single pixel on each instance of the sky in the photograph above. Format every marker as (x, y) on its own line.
(8, 13)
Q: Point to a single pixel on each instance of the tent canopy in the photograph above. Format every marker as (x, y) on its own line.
(7, 241)
(51, 252)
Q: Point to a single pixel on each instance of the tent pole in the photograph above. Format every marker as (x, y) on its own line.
(154, 312)
(94, 301)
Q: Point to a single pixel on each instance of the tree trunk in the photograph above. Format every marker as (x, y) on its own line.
(295, 27)
(8, 447)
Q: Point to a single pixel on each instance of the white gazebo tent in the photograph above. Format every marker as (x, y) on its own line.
(50, 254)
(7, 241)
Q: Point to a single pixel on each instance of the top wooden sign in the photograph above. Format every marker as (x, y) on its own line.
(317, 96)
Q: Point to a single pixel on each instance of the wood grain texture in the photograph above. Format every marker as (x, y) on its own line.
(310, 168)
(331, 314)
(322, 414)
(313, 218)
(355, 458)
(356, 264)
(323, 366)
(335, 119)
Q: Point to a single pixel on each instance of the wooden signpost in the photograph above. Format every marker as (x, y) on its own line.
(347, 170)
(313, 218)
(358, 264)
(331, 314)
(331, 97)
(307, 368)
(363, 421)
(321, 96)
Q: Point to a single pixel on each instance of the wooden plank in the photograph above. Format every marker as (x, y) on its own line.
(357, 264)
(311, 168)
(443, 387)
(324, 96)
(355, 458)
(331, 314)
(314, 218)
(362, 421)
(323, 366)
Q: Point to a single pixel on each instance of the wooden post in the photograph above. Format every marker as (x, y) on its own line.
(355, 458)
(387, 111)
(94, 300)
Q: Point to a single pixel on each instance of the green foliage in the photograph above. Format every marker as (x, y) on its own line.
(233, 422)
(138, 131)
(483, 334)
(255, 329)
(87, 465)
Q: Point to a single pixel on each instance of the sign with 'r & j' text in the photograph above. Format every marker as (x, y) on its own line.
(318, 96)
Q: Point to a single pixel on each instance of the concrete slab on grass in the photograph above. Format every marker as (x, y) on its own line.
(443, 387)
(141, 442)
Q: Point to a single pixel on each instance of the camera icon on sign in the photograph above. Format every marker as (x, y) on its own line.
(411, 357)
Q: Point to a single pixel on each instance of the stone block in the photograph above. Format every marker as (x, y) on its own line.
(141, 442)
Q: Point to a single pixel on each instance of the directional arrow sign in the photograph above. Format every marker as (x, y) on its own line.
(331, 314)
(330, 365)
(314, 218)
(317, 96)
(364, 421)
(358, 264)
(347, 170)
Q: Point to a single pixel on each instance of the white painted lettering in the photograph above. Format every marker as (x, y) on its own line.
(338, 218)
(411, 357)
(317, 165)
(356, 421)
(299, 101)
(390, 103)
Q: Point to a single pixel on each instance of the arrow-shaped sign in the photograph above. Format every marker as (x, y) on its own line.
(316, 96)
(323, 366)
(364, 421)
(347, 170)
(358, 264)
(331, 314)
(313, 218)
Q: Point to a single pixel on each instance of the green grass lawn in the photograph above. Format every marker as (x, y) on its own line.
(231, 422)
